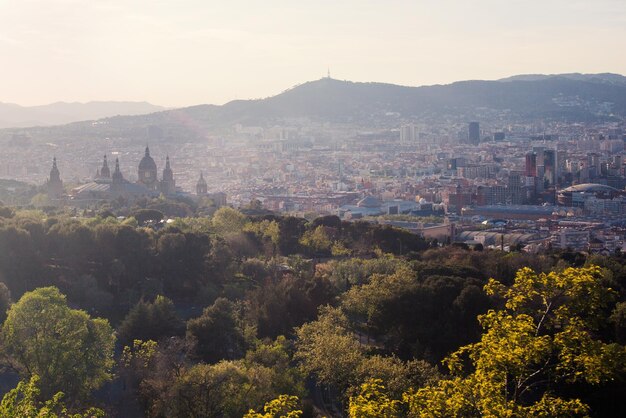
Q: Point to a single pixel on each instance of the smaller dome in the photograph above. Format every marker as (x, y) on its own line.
(147, 163)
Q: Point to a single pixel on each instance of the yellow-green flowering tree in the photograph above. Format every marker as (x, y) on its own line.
(285, 406)
(23, 402)
(373, 402)
(543, 337)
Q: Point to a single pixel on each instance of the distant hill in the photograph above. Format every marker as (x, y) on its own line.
(605, 78)
(565, 97)
(12, 115)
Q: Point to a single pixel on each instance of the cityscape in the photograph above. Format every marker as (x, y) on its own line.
(534, 185)
(280, 209)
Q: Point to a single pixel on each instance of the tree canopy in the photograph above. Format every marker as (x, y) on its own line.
(67, 349)
(23, 402)
(542, 339)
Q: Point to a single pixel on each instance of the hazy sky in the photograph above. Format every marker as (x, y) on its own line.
(186, 52)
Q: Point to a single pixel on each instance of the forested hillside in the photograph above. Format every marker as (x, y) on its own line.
(231, 314)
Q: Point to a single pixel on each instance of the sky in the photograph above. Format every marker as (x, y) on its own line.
(187, 52)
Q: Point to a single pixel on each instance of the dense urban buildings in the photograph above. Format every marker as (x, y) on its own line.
(535, 184)
(435, 169)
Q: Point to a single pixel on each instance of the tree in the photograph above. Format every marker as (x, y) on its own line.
(284, 406)
(373, 402)
(22, 402)
(228, 221)
(66, 348)
(277, 357)
(417, 315)
(5, 301)
(151, 321)
(170, 386)
(317, 241)
(268, 232)
(618, 319)
(148, 216)
(216, 332)
(397, 375)
(542, 340)
(327, 350)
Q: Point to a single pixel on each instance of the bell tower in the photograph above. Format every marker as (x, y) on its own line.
(201, 186)
(55, 185)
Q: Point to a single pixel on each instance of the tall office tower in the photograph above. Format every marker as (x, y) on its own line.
(549, 166)
(473, 136)
(408, 133)
(593, 160)
(530, 170)
(515, 187)
(539, 152)
(617, 160)
(561, 164)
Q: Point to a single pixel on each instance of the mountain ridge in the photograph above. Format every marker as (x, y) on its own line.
(58, 113)
(563, 97)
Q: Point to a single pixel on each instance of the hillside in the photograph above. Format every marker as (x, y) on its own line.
(12, 115)
(569, 97)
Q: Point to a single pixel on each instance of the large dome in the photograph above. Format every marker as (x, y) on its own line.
(590, 188)
(147, 163)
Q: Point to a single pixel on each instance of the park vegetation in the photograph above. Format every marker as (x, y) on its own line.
(233, 313)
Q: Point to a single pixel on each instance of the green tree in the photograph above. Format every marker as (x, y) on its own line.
(5, 301)
(217, 332)
(618, 319)
(277, 357)
(267, 232)
(66, 348)
(228, 221)
(317, 241)
(172, 387)
(151, 321)
(328, 350)
(146, 216)
(23, 402)
(542, 339)
(397, 375)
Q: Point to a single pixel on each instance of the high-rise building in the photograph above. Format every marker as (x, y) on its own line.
(549, 166)
(515, 188)
(530, 169)
(473, 136)
(408, 133)
(539, 151)
(561, 165)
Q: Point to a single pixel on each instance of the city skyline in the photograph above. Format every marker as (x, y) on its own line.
(180, 55)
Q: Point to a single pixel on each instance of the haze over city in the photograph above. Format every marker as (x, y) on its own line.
(329, 209)
(192, 52)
